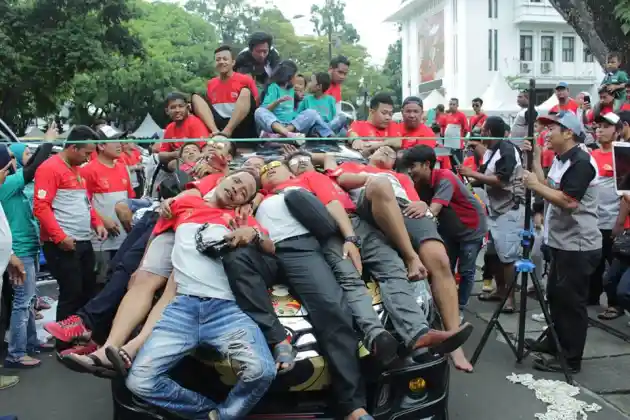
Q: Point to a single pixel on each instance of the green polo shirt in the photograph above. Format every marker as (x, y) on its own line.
(17, 206)
(325, 105)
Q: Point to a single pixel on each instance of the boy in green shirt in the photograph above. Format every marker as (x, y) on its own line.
(616, 79)
(325, 105)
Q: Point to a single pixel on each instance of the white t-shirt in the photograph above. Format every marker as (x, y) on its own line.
(6, 243)
(274, 215)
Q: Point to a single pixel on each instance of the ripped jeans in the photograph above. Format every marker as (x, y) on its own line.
(22, 331)
(188, 322)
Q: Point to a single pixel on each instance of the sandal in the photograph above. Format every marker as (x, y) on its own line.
(120, 360)
(25, 362)
(490, 297)
(284, 353)
(97, 368)
(7, 382)
(610, 313)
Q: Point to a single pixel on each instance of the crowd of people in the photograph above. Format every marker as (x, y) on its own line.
(185, 253)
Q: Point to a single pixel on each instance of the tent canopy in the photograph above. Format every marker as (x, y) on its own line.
(148, 129)
(33, 134)
(434, 99)
(549, 103)
(499, 96)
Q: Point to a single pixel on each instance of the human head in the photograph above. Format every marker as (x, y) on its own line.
(223, 60)
(319, 83)
(493, 127)
(190, 152)
(439, 109)
(259, 46)
(609, 128)
(299, 85)
(613, 61)
(565, 130)
(384, 158)
(237, 189)
(453, 105)
(338, 69)
(420, 161)
(300, 162)
(273, 174)
(22, 153)
(605, 97)
(177, 107)
(78, 153)
(254, 164)
(625, 120)
(110, 150)
(381, 110)
(562, 92)
(522, 99)
(477, 103)
(412, 111)
(283, 74)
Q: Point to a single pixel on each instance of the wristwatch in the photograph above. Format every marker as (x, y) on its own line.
(354, 240)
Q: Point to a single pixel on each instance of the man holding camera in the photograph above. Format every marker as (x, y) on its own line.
(572, 234)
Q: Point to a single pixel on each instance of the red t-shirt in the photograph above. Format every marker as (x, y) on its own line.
(132, 157)
(191, 128)
(457, 118)
(571, 105)
(477, 120)
(402, 184)
(547, 154)
(106, 180)
(223, 94)
(335, 91)
(320, 185)
(604, 162)
(428, 139)
(470, 162)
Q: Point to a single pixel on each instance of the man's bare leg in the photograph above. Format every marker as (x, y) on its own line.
(242, 108)
(203, 112)
(388, 217)
(433, 255)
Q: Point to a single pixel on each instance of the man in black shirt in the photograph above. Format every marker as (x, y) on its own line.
(259, 59)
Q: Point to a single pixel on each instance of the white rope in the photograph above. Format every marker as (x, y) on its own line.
(559, 396)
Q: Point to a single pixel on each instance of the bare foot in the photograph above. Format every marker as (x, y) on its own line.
(357, 414)
(460, 361)
(415, 269)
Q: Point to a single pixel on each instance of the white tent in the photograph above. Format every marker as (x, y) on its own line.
(499, 96)
(148, 129)
(64, 135)
(33, 133)
(434, 99)
(549, 103)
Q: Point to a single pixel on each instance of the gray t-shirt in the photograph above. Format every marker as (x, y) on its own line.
(504, 161)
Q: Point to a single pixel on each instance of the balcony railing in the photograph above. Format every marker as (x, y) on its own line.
(529, 12)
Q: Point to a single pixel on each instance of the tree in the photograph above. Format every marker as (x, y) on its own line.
(45, 43)
(232, 19)
(392, 69)
(330, 20)
(179, 57)
(603, 25)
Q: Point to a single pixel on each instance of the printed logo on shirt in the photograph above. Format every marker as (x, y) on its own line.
(234, 95)
(607, 167)
(41, 194)
(104, 183)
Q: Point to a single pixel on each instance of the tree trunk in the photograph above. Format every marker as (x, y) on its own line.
(595, 23)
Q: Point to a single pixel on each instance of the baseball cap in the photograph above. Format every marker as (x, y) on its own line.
(610, 118)
(107, 132)
(566, 119)
(562, 85)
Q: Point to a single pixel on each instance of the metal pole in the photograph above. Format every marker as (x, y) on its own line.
(329, 6)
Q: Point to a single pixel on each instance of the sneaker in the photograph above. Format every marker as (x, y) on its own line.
(69, 330)
(538, 317)
(8, 381)
(81, 349)
(43, 303)
(487, 286)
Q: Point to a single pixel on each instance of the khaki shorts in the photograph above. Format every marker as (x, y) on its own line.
(157, 259)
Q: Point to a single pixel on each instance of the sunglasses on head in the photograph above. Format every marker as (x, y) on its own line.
(268, 166)
(299, 159)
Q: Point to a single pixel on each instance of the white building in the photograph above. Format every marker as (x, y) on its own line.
(460, 45)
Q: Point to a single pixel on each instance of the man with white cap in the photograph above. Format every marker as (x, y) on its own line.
(572, 234)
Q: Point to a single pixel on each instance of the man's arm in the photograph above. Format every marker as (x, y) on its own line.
(352, 181)
(45, 192)
(443, 194)
(573, 186)
(340, 215)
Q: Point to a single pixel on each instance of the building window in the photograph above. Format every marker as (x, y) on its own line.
(527, 48)
(588, 57)
(568, 49)
(546, 48)
(496, 50)
(490, 49)
(496, 9)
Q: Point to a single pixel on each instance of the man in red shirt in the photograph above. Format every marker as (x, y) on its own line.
(231, 100)
(338, 70)
(455, 118)
(477, 120)
(606, 104)
(68, 222)
(378, 125)
(565, 102)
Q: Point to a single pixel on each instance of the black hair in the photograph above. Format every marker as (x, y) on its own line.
(224, 48)
(478, 100)
(258, 38)
(181, 149)
(302, 76)
(614, 54)
(175, 96)
(412, 100)
(440, 108)
(252, 173)
(323, 79)
(419, 154)
(340, 59)
(624, 116)
(381, 98)
(81, 132)
(282, 75)
(495, 126)
(525, 92)
(454, 100)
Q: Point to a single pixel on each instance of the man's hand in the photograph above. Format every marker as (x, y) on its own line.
(4, 172)
(465, 170)
(68, 244)
(416, 210)
(288, 149)
(101, 233)
(351, 251)
(244, 211)
(538, 220)
(165, 208)
(241, 236)
(111, 226)
(284, 99)
(529, 179)
(532, 146)
(17, 273)
(51, 133)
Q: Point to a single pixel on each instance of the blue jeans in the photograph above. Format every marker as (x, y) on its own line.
(188, 322)
(22, 330)
(463, 255)
(617, 283)
(305, 122)
(338, 123)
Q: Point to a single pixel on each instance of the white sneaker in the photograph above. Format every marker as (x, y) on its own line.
(538, 317)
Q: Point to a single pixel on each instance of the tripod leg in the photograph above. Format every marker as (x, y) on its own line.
(522, 316)
(551, 329)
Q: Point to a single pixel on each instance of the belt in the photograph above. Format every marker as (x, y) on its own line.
(203, 299)
(293, 238)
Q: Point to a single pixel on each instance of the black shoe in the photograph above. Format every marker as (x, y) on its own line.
(385, 348)
(554, 365)
(539, 347)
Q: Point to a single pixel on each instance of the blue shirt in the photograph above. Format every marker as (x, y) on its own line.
(325, 105)
(285, 111)
(19, 211)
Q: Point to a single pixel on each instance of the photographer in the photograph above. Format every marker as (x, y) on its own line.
(572, 234)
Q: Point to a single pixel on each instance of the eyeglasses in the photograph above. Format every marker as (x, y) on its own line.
(269, 166)
(299, 159)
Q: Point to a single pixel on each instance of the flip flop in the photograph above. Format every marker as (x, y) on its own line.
(97, 368)
(18, 364)
(454, 342)
(117, 357)
(284, 353)
(489, 297)
(610, 313)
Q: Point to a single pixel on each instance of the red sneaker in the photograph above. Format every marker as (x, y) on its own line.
(69, 330)
(81, 349)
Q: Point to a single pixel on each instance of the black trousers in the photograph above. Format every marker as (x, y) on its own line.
(596, 285)
(567, 293)
(300, 263)
(245, 130)
(75, 274)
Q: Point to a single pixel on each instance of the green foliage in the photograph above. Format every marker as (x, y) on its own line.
(622, 12)
(232, 19)
(331, 18)
(392, 69)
